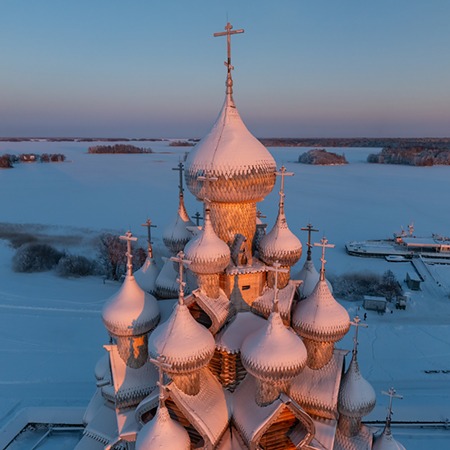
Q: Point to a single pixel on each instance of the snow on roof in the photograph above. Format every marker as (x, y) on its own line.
(386, 441)
(130, 385)
(232, 154)
(356, 396)
(146, 275)
(150, 402)
(186, 344)
(230, 338)
(280, 244)
(94, 405)
(103, 427)
(89, 443)
(362, 441)
(218, 309)
(317, 390)
(207, 410)
(310, 278)
(273, 352)
(263, 304)
(102, 369)
(176, 234)
(131, 311)
(166, 282)
(320, 317)
(250, 418)
(256, 267)
(162, 432)
(325, 434)
(206, 251)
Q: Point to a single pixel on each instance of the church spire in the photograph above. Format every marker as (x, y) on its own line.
(228, 32)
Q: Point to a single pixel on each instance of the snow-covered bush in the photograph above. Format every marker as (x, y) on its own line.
(35, 258)
(75, 266)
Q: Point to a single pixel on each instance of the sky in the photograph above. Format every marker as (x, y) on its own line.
(152, 68)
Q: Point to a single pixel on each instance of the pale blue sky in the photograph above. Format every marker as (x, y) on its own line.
(152, 68)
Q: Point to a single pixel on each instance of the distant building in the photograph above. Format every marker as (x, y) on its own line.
(374, 303)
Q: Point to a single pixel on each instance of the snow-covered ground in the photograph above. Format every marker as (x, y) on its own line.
(51, 329)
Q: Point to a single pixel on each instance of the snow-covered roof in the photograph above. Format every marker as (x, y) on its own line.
(208, 410)
(207, 253)
(166, 284)
(356, 396)
(273, 352)
(385, 441)
(186, 344)
(131, 311)
(103, 427)
(230, 338)
(94, 405)
(325, 434)
(102, 369)
(280, 244)
(263, 304)
(130, 385)
(320, 317)
(176, 234)
(146, 275)
(317, 390)
(244, 167)
(162, 432)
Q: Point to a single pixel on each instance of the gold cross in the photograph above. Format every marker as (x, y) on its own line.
(276, 267)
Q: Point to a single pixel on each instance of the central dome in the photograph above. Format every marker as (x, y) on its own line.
(244, 168)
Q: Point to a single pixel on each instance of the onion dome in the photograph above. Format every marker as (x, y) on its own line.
(310, 278)
(320, 317)
(386, 441)
(176, 235)
(356, 395)
(273, 352)
(162, 432)
(206, 251)
(244, 168)
(132, 311)
(146, 275)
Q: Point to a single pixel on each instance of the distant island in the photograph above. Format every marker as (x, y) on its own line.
(321, 157)
(118, 148)
(7, 161)
(182, 143)
(413, 155)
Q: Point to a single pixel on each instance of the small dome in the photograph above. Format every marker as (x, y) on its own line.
(356, 395)
(386, 441)
(273, 353)
(146, 275)
(206, 251)
(162, 432)
(130, 312)
(320, 317)
(186, 344)
(310, 278)
(176, 235)
(244, 168)
(280, 244)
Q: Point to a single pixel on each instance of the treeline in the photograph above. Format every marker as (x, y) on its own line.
(7, 161)
(322, 157)
(180, 143)
(412, 156)
(118, 148)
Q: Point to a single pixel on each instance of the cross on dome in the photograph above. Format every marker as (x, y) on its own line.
(309, 228)
(228, 32)
(197, 216)
(324, 244)
(207, 179)
(160, 363)
(276, 267)
(357, 323)
(283, 173)
(129, 237)
(180, 169)
(182, 262)
(148, 224)
(391, 393)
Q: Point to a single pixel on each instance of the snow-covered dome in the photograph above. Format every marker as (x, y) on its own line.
(146, 275)
(310, 278)
(162, 432)
(185, 344)
(386, 441)
(244, 168)
(176, 235)
(207, 252)
(273, 353)
(130, 312)
(356, 395)
(320, 317)
(280, 244)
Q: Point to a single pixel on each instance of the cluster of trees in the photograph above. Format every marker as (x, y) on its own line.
(321, 157)
(412, 156)
(7, 161)
(353, 286)
(188, 143)
(118, 148)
